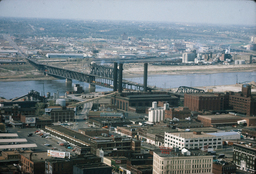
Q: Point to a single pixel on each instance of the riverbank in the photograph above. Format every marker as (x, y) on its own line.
(137, 70)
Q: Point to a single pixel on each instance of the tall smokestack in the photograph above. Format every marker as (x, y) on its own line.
(120, 87)
(145, 76)
(115, 77)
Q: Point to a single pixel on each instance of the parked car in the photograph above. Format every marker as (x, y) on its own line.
(48, 145)
(30, 134)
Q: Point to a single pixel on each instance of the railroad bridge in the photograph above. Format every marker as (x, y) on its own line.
(110, 77)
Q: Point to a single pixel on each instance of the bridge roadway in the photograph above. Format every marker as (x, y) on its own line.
(98, 77)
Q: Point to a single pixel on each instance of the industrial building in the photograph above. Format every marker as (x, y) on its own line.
(219, 120)
(174, 161)
(192, 140)
(140, 101)
(206, 101)
(244, 157)
(243, 102)
(60, 114)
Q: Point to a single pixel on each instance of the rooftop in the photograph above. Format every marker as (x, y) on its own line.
(36, 156)
(220, 117)
(191, 135)
(177, 153)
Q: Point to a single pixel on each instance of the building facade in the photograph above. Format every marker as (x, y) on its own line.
(245, 157)
(181, 164)
(192, 140)
(206, 101)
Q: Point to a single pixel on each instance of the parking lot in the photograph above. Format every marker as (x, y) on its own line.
(38, 140)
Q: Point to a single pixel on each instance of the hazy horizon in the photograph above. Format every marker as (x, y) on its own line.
(238, 12)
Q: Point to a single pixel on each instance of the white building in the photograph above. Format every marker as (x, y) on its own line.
(188, 57)
(192, 140)
(179, 163)
(156, 114)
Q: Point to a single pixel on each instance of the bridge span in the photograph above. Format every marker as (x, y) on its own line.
(99, 75)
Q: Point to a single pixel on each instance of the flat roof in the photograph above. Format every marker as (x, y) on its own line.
(224, 133)
(16, 146)
(13, 140)
(8, 135)
(191, 135)
(219, 117)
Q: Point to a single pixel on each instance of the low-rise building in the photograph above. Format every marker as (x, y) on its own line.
(34, 162)
(192, 140)
(97, 168)
(180, 113)
(219, 120)
(223, 167)
(174, 161)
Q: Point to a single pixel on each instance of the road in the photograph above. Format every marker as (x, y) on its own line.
(14, 45)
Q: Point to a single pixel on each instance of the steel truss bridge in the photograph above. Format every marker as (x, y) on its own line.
(186, 89)
(99, 75)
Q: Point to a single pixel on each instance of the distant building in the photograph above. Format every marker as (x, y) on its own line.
(188, 57)
(181, 162)
(96, 168)
(60, 114)
(59, 55)
(244, 157)
(223, 57)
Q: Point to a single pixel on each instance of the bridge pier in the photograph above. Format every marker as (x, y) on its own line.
(92, 87)
(115, 77)
(69, 81)
(120, 81)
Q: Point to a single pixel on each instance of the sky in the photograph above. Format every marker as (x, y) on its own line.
(238, 12)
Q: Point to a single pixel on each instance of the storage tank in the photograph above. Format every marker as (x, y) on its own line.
(61, 102)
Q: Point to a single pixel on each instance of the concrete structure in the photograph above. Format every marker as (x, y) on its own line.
(156, 114)
(176, 162)
(192, 140)
(93, 131)
(244, 157)
(206, 101)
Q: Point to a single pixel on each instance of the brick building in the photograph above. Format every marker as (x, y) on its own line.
(33, 162)
(206, 101)
(222, 167)
(243, 102)
(180, 113)
(219, 120)
(127, 131)
(140, 101)
(61, 114)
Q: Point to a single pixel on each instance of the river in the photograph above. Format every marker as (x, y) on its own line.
(14, 89)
